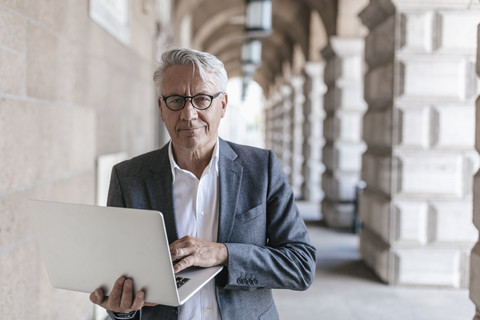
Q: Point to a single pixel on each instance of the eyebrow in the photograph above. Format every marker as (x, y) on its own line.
(179, 94)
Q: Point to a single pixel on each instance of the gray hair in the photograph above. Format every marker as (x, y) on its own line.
(206, 64)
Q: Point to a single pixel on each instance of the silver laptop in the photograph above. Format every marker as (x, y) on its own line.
(85, 247)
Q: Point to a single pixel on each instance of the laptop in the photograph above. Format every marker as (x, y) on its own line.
(85, 247)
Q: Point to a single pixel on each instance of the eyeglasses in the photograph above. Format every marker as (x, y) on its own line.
(199, 101)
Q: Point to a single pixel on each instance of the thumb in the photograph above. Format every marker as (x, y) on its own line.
(97, 297)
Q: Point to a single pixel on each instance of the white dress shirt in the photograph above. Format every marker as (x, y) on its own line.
(196, 212)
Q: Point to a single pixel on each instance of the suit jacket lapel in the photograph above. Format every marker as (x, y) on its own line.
(230, 177)
(159, 185)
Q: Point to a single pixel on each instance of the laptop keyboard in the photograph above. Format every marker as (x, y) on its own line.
(181, 281)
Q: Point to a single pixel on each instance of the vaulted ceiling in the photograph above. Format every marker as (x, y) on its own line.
(218, 26)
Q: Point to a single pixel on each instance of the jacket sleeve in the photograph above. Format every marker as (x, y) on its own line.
(286, 259)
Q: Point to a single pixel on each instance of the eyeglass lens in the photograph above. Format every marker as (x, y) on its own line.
(200, 101)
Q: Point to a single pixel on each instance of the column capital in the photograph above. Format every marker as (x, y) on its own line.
(343, 46)
(347, 46)
(314, 68)
(285, 90)
(297, 81)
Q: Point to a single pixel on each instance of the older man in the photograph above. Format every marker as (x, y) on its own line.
(223, 204)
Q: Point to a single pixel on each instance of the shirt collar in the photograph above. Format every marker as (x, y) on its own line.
(213, 161)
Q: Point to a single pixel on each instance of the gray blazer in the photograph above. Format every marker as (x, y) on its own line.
(266, 238)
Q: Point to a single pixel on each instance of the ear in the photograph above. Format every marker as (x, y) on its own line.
(159, 100)
(224, 104)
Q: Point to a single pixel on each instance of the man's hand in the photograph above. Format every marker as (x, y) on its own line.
(121, 298)
(190, 251)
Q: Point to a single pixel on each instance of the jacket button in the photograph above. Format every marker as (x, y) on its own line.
(255, 281)
(250, 282)
(240, 281)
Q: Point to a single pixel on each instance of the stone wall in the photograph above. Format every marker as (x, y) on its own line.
(69, 92)
(420, 88)
(475, 254)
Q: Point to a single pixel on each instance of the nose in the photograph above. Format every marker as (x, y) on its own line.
(189, 112)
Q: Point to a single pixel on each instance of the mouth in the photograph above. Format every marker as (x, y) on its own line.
(189, 131)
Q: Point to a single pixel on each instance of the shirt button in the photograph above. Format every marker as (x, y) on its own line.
(208, 309)
(202, 213)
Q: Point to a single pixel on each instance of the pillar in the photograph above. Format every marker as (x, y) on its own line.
(344, 106)
(313, 140)
(296, 133)
(275, 127)
(268, 109)
(285, 108)
(420, 87)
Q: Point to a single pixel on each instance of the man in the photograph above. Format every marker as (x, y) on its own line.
(223, 204)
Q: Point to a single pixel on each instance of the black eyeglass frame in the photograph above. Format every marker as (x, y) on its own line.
(191, 100)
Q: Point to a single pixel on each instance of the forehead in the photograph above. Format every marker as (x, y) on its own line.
(183, 79)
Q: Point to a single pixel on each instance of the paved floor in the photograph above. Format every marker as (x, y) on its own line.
(344, 289)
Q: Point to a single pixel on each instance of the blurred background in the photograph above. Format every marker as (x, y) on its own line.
(370, 105)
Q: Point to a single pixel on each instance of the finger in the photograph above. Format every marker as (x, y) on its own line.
(176, 252)
(184, 264)
(149, 304)
(179, 253)
(139, 300)
(127, 294)
(183, 247)
(97, 297)
(113, 301)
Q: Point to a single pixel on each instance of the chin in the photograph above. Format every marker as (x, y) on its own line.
(191, 143)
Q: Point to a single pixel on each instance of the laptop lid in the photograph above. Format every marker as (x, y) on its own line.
(85, 247)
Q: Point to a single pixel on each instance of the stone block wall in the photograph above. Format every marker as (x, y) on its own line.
(69, 92)
(475, 254)
(420, 88)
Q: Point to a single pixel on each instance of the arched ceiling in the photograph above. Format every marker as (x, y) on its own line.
(217, 26)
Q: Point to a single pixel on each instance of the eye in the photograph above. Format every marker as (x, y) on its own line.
(175, 100)
(202, 98)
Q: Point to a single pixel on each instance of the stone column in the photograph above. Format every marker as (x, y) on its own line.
(268, 109)
(296, 142)
(286, 126)
(344, 106)
(313, 140)
(475, 254)
(420, 87)
(276, 124)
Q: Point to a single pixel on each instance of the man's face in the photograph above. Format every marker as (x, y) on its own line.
(191, 129)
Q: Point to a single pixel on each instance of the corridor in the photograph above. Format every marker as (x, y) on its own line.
(345, 289)
(371, 106)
